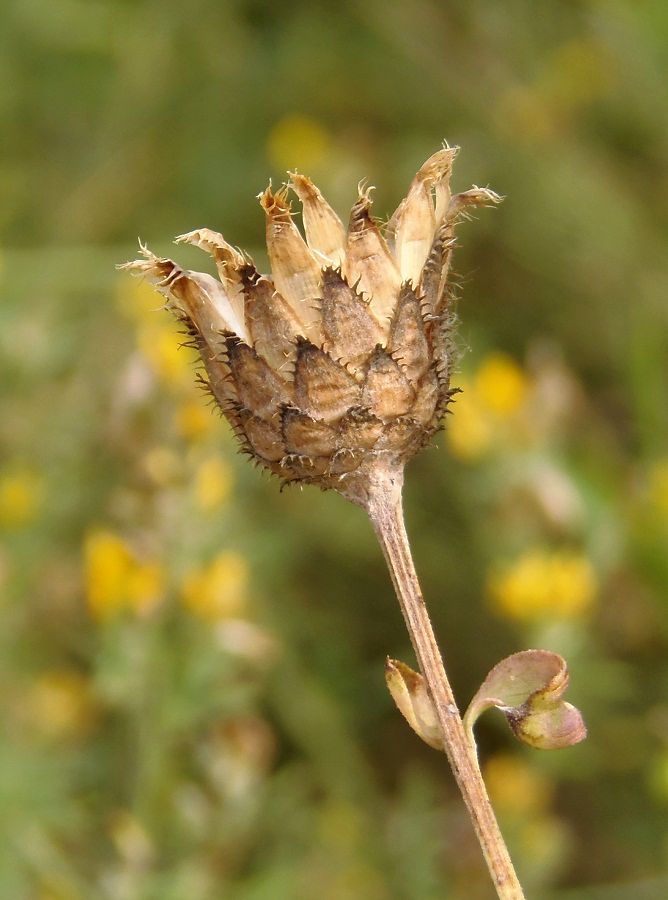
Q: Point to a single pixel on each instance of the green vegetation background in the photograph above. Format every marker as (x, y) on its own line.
(192, 663)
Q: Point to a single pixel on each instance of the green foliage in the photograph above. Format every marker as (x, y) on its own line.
(191, 663)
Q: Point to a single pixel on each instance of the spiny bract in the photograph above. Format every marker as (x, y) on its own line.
(339, 362)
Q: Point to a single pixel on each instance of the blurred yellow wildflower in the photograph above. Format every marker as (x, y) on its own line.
(56, 886)
(131, 839)
(298, 141)
(515, 787)
(544, 584)
(161, 465)
(159, 337)
(161, 344)
(194, 420)
(21, 492)
(213, 483)
(469, 431)
(579, 72)
(658, 776)
(60, 704)
(543, 844)
(217, 591)
(658, 486)
(523, 114)
(490, 402)
(500, 384)
(137, 300)
(115, 580)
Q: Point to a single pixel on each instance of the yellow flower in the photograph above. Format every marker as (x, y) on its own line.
(213, 483)
(470, 430)
(194, 420)
(542, 584)
(21, 492)
(218, 591)
(501, 385)
(56, 886)
(515, 787)
(658, 776)
(523, 113)
(161, 344)
(137, 301)
(658, 486)
(116, 580)
(488, 407)
(298, 141)
(161, 465)
(131, 839)
(579, 73)
(60, 704)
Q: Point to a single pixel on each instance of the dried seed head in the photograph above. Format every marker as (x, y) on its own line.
(338, 363)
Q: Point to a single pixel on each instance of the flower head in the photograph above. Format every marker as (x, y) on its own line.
(339, 362)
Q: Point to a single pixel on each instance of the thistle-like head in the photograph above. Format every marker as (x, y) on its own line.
(337, 365)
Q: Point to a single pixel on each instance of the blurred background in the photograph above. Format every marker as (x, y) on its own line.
(193, 703)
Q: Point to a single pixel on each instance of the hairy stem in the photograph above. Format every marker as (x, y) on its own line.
(384, 507)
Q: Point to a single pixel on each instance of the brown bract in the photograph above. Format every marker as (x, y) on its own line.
(338, 363)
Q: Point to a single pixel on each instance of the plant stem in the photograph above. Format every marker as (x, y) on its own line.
(384, 507)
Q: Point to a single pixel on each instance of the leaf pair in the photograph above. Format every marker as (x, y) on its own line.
(526, 687)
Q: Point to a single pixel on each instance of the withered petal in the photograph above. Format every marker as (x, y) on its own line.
(203, 299)
(369, 264)
(229, 261)
(325, 234)
(414, 222)
(295, 270)
(433, 281)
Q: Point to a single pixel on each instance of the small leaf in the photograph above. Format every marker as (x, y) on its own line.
(409, 691)
(527, 687)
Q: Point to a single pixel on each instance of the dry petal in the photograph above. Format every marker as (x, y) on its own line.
(433, 280)
(229, 262)
(474, 197)
(325, 233)
(202, 298)
(369, 264)
(416, 219)
(295, 270)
